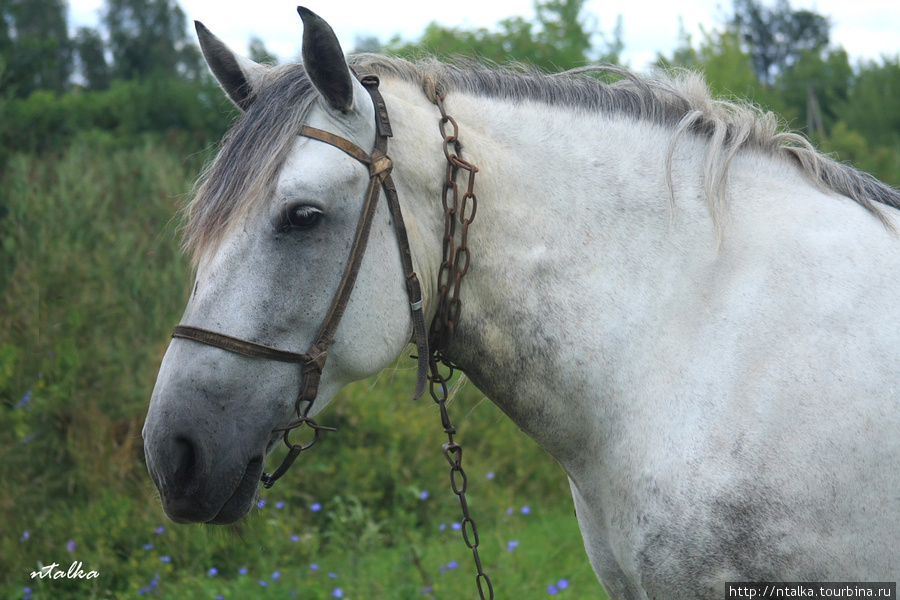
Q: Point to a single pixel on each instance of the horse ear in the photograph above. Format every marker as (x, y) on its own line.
(235, 73)
(324, 61)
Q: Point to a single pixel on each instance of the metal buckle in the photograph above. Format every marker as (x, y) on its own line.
(294, 449)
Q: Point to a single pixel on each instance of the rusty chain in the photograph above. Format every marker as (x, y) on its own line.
(456, 259)
(453, 268)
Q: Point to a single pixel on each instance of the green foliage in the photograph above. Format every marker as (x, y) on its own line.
(35, 49)
(559, 39)
(149, 38)
(849, 111)
(777, 36)
(257, 52)
(815, 89)
(727, 68)
(92, 61)
(46, 121)
(872, 107)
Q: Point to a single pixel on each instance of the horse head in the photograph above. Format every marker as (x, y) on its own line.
(271, 228)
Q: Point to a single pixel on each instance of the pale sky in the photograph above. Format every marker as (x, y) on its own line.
(867, 29)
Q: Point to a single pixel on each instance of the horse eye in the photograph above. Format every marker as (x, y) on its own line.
(300, 217)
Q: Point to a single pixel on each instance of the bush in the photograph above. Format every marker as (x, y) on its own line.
(47, 122)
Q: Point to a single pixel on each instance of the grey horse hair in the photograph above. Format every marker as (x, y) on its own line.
(252, 152)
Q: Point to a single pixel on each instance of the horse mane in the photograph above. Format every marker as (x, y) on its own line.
(677, 99)
(255, 147)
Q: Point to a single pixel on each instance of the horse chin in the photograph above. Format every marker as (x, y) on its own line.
(243, 498)
(194, 508)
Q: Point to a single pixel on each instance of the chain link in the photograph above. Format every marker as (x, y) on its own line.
(454, 267)
(459, 481)
(456, 258)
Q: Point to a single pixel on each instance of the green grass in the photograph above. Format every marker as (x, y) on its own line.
(91, 283)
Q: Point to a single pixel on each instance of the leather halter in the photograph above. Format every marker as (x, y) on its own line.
(313, 360)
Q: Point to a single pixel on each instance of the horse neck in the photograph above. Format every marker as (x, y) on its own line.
(574, 228)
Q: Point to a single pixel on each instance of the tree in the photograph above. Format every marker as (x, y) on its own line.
(684, 55)
(35, 49)
(817, 87)
(719, 56)
(259, 53)
(561, 38)
(91, 58)
(149, 37)
(872, 107)
(776, 37)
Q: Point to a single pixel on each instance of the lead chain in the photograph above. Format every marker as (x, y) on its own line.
(456, 258)
(459, 481)
(453, 269)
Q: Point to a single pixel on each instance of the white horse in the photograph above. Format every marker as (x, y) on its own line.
(695, 314)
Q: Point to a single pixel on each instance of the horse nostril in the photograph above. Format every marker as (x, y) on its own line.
(185, 460)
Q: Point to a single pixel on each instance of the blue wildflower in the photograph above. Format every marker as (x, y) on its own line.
(279, 505)
(276, 575)
(148, 546)
(159, 530)
(314, 567)
(25, 535)
(315, 507)
(263, 583)
(512, 545)
(260, 504)
(526, 510)
(562, 584)
(26, 593)
(165, 559)
(212, 572)
(242, 571)
(456, 526)
(453, 564)
(491, 475)
(337, 593)
(423, 495)
(25, 400)
(552, 590)
(70, 546)
(153, 583)
(333, 575)
(442, 527)
(295, 538)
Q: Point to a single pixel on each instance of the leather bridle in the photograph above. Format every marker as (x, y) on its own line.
(313, 360)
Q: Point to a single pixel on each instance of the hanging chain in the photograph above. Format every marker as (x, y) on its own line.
(453, 269)
(459, 481)
(456, 258)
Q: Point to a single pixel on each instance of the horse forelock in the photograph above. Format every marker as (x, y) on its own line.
(245, 170)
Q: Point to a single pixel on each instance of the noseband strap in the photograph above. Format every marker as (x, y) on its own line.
(313, 360)
(237, 345)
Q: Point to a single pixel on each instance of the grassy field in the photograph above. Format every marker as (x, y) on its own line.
(91, 282)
